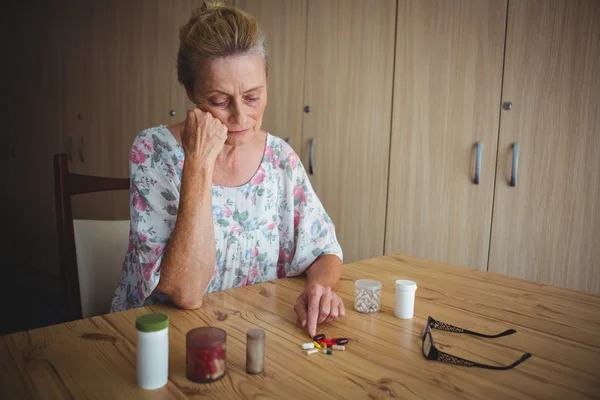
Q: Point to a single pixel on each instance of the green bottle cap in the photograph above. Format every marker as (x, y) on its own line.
(151, 322)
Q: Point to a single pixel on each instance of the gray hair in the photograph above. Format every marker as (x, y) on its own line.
(216, 31)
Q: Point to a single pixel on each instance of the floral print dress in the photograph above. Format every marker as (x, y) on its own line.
(272, 227)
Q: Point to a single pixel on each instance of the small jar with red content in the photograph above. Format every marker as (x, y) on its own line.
(205, 354)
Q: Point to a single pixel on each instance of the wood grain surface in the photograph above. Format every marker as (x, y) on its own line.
(95, 358)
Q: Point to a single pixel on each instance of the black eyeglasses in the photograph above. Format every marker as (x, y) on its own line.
(432, 353)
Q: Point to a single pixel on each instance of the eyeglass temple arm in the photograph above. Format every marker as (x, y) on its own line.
(505, 333)
(451, 328)
(503, 368)
(450, 359)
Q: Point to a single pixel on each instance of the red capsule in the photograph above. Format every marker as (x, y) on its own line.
(340, 341)
(329, 343)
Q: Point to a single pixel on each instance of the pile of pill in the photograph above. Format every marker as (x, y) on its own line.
(206, 364)
(367, 301)
(326, 346)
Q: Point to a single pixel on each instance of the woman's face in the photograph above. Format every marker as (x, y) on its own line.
(234, 90)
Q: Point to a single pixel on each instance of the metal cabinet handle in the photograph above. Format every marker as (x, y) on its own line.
(311, 151)
(70, 148)
(515, 165)
(288, 140)
(81, 149)
(478, 163)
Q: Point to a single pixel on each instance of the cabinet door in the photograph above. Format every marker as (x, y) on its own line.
(130, 84)
(284, 24)
(447, 85)
(348, 86)
(95, 82)
(547, 227)
(33, 94)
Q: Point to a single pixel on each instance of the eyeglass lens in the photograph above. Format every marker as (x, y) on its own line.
(426, 327)
(426, 345)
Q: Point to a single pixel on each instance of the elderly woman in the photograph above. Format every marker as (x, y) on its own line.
(217, 202)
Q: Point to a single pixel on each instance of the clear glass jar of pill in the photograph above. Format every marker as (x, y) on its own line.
(206, 354)
(367, 296)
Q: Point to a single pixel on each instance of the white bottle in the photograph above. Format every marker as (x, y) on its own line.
(405, 299)
(152, 350)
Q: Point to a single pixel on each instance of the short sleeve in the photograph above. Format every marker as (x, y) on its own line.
(313, 231)
(154, 200)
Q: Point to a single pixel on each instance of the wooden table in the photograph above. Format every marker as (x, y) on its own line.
(95, 357)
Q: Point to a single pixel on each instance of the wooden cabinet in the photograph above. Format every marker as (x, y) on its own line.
(32, 94)
(96, 79)
(547, 227)
(454, 69)
(398, 94)
(447, 84)
(125, 57)
(86, 78)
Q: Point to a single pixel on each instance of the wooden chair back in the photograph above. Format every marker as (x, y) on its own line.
(66, 185)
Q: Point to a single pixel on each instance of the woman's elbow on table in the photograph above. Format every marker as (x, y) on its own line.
(186, 299)
(187, 302)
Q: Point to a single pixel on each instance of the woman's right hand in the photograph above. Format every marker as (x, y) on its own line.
(203, 137)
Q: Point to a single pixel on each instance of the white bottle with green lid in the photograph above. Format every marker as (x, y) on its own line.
(152, 350)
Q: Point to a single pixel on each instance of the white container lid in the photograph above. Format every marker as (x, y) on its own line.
(368, 284)
(402, 284)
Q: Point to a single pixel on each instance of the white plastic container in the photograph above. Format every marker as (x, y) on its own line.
(367, 296)
(405, 299)
(152, 350)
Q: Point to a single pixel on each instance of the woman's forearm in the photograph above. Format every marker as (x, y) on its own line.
(190, 255)
(326, 271)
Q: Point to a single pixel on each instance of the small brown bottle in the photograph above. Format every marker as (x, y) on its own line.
(255, 351)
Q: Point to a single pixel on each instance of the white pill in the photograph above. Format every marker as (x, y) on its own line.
(312, 351)
(307, 346)
(338, 347)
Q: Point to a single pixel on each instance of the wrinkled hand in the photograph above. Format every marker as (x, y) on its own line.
(318, 304)
(203, 136)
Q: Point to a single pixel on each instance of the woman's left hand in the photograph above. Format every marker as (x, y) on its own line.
(318, 304)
